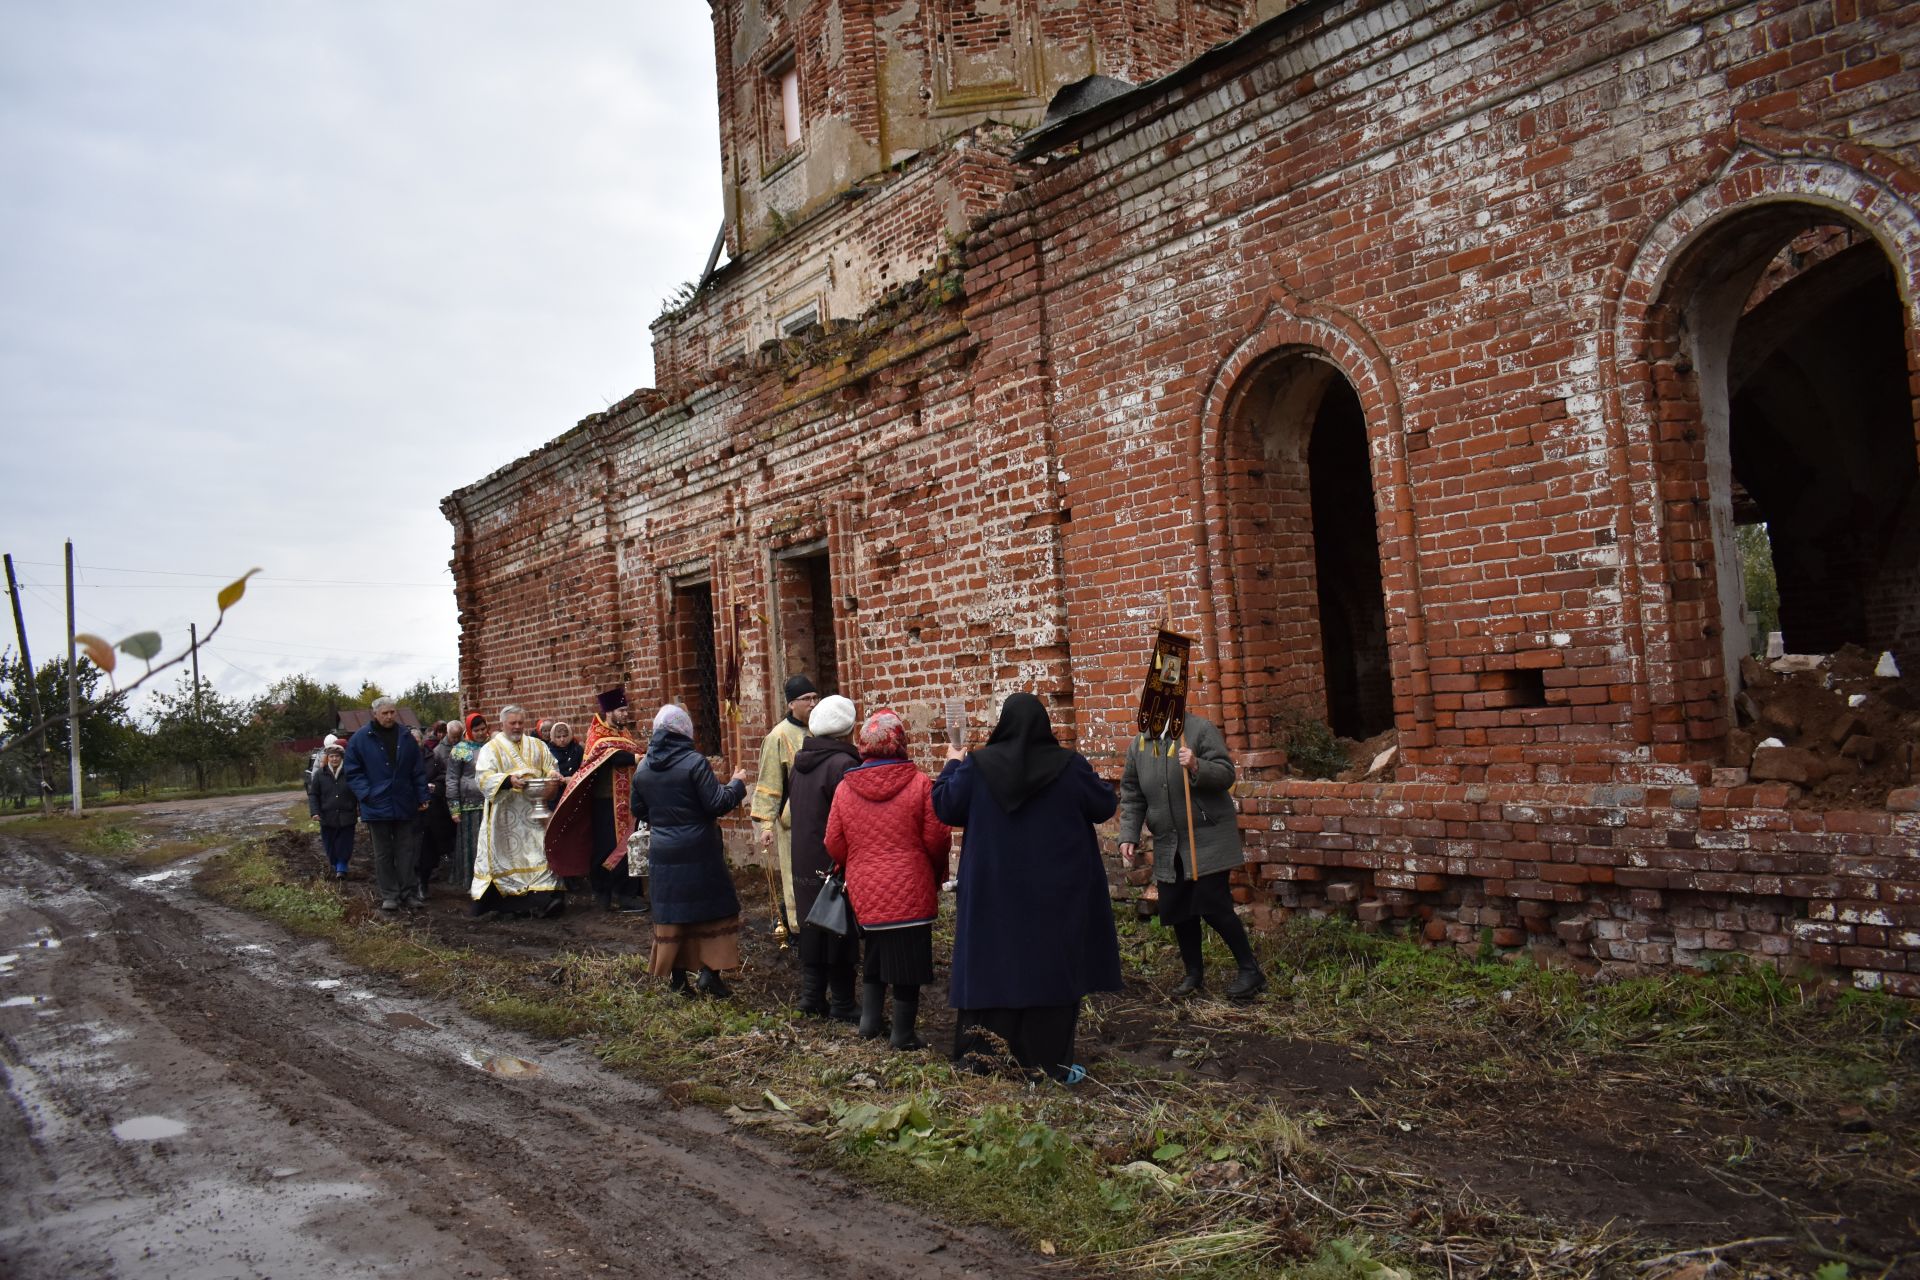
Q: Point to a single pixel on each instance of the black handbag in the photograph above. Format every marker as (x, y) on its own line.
(831, 910)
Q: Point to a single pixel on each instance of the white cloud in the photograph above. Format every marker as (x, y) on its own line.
(276, 278)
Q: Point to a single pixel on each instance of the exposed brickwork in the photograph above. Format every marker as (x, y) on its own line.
(1506, 229)
(1653, 876)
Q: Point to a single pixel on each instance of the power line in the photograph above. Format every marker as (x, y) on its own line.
(268, 582)
(225, 577)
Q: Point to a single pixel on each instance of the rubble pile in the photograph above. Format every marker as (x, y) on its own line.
(1842, 728)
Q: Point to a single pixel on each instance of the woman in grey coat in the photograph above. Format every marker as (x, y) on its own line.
(1161, 775)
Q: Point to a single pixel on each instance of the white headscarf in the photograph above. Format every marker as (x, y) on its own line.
(833, 717)
(675, 718)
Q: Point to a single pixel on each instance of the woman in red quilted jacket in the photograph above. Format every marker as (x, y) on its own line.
(883, 832)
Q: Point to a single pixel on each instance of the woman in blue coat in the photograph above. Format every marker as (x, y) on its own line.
(696, 913)
(1034, 929)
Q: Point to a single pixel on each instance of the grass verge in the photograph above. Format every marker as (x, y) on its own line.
(1169, 1171)
(121, 838)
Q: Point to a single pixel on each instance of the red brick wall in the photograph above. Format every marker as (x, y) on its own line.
(1483, 217)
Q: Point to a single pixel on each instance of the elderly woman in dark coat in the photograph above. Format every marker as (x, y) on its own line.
(827, 960)
(1034, 928)
(696, 914)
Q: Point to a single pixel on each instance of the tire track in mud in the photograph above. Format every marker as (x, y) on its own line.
(449, 1170)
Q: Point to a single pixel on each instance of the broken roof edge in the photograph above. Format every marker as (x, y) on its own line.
(549, 452)
(1105, 108)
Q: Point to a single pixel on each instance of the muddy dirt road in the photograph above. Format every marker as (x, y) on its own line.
(192, 1093)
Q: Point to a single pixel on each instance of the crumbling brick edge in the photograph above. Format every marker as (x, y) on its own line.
(1615, 876)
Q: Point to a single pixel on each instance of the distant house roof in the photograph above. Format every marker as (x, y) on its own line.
(359, 716)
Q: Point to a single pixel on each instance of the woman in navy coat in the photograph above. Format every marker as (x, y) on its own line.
(1034, 928)
(696, 914)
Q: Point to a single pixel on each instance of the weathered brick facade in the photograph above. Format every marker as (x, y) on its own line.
(1503, 265)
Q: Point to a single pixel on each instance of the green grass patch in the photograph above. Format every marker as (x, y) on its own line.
(123, 837)
(1800, 1039)
(1164, 1171)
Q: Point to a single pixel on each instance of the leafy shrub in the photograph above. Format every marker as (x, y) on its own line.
(1312, 750)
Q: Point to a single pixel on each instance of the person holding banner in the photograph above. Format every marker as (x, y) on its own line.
(1177, 785)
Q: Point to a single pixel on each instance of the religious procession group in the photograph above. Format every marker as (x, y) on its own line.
(845, 815)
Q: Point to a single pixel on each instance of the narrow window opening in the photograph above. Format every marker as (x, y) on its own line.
(803, 587)
(1346, 563)
(790, 104)
(696, 683)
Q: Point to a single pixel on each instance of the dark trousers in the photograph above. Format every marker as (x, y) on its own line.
(394, 845)
(338, 842)
(1231, 931)
(466, 845)
(436, 841)
(1037, 1039)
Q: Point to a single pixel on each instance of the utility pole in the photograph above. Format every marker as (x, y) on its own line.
(73, 692)
(199, 765)
(33, 688)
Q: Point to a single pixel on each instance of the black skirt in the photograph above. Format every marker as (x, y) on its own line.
(1038, 1039)
(823, 948)
(1185, 900)
(900, 957)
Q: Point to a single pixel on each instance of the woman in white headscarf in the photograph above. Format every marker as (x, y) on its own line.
(696, 913)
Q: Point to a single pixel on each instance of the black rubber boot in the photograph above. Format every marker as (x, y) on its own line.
(678, 983)
(1194, 984)
(906, 1010)
(1247, 984)
(709, 984)
(840, 1005)
(873, 1008)
(813, 991)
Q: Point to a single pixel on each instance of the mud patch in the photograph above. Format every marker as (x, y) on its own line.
(408, 1022)
(1164, 1040)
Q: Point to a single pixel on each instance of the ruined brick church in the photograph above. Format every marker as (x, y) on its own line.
(1425, 360)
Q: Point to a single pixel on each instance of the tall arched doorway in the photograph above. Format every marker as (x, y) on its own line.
(1790, 322)
(1309, 597)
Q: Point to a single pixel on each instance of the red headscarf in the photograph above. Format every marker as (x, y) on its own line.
(469, 722)
(883, 736)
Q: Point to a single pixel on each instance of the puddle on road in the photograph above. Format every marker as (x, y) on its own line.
(159, 876)
(9, 960)
(410, 1022)
(326, 984)
(254, 947)
(20, 1002)
(148, 1129)
(48, 944)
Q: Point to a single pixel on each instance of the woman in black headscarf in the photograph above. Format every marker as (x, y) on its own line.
(1034, 929)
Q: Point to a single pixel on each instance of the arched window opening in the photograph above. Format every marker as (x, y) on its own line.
(1306, 553)
(1346, 568)
(1789, 458)
(1821, 437)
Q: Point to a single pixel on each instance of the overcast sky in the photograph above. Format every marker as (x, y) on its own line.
(277, 275)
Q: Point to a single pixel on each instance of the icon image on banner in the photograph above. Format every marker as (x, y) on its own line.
(1163, 702)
